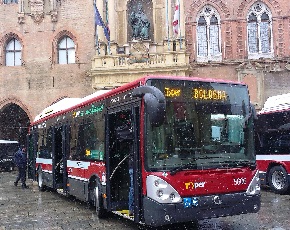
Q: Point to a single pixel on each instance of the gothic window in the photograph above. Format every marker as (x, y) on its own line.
(259, 32)
(208, 35)
(66, 51)
(13, 53)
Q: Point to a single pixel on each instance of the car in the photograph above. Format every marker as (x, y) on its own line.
(7, 151)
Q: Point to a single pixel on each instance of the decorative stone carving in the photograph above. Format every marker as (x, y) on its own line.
(21, 18)
(139, 52)
(37, 17)
(36, 5)
(54, 16)
(37, 10)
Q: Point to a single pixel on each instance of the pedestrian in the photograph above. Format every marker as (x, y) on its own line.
(20, 160)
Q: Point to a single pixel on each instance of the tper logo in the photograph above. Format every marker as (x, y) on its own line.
(192, 185)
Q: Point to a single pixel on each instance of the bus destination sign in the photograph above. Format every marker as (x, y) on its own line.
(198, 94)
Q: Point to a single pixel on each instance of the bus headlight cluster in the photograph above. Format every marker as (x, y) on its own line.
(254, 187)
(160, 191)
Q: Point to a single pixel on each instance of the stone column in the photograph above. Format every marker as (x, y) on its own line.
(21, 6)
(51, 5)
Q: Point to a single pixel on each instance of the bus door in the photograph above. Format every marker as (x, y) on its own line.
(31, 149)
(123, 162)
(59, 158)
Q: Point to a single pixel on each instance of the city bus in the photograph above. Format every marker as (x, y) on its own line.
(158, 150)
(7, 150)
(273, 143)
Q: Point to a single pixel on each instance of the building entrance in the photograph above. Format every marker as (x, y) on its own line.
(13, 123)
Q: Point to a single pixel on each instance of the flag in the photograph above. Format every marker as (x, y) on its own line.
(175, 22)
(99, 22)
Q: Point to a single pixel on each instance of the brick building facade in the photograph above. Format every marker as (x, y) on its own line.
(49, 49)
(31, 76)
(247, 41)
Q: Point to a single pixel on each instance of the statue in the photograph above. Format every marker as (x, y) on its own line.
(140, 23)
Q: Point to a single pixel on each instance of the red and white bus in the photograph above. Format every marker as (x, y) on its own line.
(273, 143)
(178, 148)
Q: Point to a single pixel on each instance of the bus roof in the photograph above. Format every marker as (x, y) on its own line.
(65, 104)
(8, 142)
(70, 103)
(276, 103)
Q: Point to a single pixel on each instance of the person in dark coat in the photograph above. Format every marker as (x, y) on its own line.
(20, 160)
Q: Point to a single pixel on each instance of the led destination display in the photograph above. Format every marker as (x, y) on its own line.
(198, 93)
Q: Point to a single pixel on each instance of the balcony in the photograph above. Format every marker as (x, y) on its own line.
(137, 59)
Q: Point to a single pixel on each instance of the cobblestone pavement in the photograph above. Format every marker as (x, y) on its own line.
(31, 209)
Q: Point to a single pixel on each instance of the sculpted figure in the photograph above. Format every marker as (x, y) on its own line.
(140, 23)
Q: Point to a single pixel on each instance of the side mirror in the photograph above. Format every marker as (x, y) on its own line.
(154, 101)
(254, 112)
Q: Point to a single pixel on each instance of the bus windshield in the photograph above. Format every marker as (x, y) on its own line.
(207, 125)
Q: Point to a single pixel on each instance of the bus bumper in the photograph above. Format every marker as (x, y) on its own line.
(205, 207)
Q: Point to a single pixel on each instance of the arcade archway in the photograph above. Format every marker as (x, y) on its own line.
(13, 123)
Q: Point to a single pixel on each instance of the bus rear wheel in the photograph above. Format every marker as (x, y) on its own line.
(98, 202)
(278, 180)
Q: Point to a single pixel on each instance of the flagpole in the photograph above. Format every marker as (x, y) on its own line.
(167, 23)
(97, 40)
(179, 24)
(96, 32)
(107, 23)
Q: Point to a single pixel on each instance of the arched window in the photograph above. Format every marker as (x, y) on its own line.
(259, 32)
(208, 35)
(66, 51)
(13, 53)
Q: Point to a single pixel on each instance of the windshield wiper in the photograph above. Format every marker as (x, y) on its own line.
(247, 163)
(190, 165)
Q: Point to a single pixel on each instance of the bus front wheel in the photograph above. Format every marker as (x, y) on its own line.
(278, 180)
(98, 202)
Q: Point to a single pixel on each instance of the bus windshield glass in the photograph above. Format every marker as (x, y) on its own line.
(207, 125)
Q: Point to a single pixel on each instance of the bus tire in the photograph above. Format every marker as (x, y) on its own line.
(98, 202)
(277, 179)
(41, 186)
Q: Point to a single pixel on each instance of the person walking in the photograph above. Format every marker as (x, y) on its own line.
(20, 160)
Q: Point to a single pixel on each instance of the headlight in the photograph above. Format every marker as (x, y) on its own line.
(160, 191)
(254, 187)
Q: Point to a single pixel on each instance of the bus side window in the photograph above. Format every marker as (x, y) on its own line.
(73, 153)
(43, 153)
